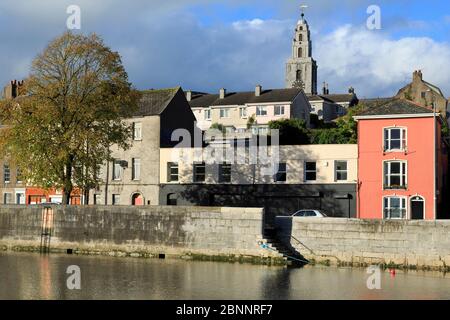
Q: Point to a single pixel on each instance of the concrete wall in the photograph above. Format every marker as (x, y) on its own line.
(148, 231)
(421, 244)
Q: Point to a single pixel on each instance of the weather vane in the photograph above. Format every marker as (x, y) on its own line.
(303, 7)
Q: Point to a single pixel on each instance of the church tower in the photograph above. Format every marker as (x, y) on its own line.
(301, 68)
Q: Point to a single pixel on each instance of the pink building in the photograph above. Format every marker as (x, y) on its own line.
(402, 162)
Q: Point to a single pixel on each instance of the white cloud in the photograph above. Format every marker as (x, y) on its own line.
(377, 65)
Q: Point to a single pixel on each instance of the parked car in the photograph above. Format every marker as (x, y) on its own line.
(310, 213)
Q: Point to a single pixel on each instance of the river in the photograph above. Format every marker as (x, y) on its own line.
(32, 276)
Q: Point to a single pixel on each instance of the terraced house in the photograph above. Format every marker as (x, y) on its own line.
(234, 110)
(133, 177)
(402, 162)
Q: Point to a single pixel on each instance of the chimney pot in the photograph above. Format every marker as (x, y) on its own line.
(222, 93)
(189, 95)
(258, 90)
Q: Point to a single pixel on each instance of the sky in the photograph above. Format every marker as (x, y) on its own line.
(204, 45)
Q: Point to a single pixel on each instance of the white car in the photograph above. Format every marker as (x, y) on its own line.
(310, 214)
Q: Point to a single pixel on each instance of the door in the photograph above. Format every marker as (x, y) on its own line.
(417, 208)
(137, 200)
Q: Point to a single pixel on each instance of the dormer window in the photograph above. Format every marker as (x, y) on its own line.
(394, 139)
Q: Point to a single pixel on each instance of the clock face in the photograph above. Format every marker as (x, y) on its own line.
(299, 84)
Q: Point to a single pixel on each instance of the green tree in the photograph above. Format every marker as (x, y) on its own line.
(292, 131)
(251, 121)
(218, 126)
(76, 97)
(344, 132)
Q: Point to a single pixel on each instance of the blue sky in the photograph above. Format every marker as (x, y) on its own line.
(208, 44)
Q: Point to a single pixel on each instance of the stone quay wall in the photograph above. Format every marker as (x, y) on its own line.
(397, 243)
(209, 233)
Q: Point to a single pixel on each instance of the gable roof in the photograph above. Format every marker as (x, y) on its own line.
(242, 98)
(346, 97)
(154, 102)
(318, 97)
(396, 107)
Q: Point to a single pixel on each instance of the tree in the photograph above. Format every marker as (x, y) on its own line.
(251, 121)
(218, 126)
(344, 132)
(292, 131)
(76, 97)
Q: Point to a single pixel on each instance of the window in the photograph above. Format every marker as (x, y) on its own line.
(172, 199)
(136, 171)
(224, 113)
(225, 173)
(280, 176)
(7, 198)
(394, 139)
(310, 171)
(394, 175)
(20, 198)
(300, 37)
(208, 114)
(117, 170)
(172, 172)
(97, 199)
(423, 94)
(115, 199)
(279, 110)
(300, 52)
(261, 111)
(199, 172)
(6, 173)
(394, 208)
(340, 168)
(137, 131)
(260, 130)
(18, 175)
(243, 112)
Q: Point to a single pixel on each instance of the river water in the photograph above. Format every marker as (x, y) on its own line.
(32, 276)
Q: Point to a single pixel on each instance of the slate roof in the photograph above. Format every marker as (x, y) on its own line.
(317, 97)
(347, 97)
(396, 106)
(154, 102)
(241, 98)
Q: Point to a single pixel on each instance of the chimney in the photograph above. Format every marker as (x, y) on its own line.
(324, 88)
(351, 90)
(258, 90)
(328, 91)
(417, 75)
(222, 93)
(12, 90)
(189, 95)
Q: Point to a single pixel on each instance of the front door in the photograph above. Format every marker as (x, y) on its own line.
(417, 208)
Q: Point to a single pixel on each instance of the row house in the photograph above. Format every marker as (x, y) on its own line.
(305, 177)
(234, 110)
(402, 162)
(132, 178)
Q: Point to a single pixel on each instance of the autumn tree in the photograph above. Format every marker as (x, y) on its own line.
(75, 99)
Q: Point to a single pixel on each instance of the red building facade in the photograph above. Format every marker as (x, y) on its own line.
(402, 162)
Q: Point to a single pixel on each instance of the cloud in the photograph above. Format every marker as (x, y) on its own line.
(377, 65)
(164, 44)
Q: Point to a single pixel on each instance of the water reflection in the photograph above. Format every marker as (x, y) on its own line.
(32, 276)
